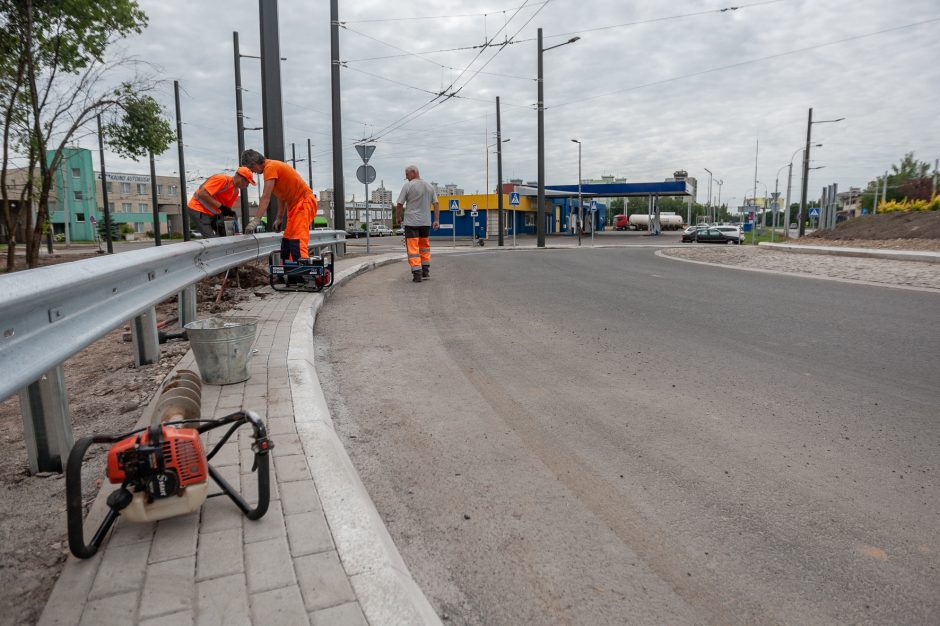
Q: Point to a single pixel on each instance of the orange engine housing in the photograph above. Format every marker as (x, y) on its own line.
(182, 453)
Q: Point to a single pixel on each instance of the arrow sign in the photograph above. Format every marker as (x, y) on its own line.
(514, 198)
(814, 212)
(454, 205)
(365, 151)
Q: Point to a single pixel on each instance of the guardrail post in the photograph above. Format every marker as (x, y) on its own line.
(145, 338)
(47, 427)
(187, 305)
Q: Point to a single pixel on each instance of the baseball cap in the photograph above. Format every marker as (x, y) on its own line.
(245, 173)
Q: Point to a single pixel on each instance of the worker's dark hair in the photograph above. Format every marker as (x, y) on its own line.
(252, 157)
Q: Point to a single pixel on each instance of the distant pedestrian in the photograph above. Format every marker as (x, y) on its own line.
(214, 199)
(415, 202)
(295, 200)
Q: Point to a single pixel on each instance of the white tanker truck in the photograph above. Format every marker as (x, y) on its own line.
(667, 221)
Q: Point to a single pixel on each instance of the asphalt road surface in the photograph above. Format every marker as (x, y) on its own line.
(609, 437)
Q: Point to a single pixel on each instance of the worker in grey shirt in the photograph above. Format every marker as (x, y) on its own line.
(415, 201)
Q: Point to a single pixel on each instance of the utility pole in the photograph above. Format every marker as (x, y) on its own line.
(874, 203)
(933, 189)
(754, 225)
(179, 146)
(66, 211)
(239, 124)
(310, 164)
(540, 198)
(293, 156)
(104, 188)
(884, 190)
(499, 176)
(708, 205)
(271, 108)
(803, 186)
(153, 196)
(339, 194)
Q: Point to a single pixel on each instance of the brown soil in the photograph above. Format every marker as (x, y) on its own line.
(107, 394)
(918, 225)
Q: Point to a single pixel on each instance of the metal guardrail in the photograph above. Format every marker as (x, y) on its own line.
(48, 314)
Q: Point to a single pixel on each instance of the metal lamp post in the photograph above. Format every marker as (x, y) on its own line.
(718, 205)
(708, 208)
(806, 168)
(540, 209)
(580, 203)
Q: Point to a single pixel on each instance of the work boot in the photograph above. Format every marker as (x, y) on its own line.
(416, 276)
(425, 272)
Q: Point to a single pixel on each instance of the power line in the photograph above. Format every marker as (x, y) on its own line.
(748, 62)
(437, 17)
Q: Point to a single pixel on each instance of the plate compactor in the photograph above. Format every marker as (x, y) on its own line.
(313, 274)
(163, 470)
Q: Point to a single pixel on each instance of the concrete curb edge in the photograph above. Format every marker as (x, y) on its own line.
(921, 256)
(385, 588)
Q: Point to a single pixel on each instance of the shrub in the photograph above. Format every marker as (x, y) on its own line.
(895, 206)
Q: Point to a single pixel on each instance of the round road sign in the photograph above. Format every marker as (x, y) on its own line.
(365, 174)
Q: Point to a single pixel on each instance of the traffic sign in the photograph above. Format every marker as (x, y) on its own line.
(365, 152)
(473, 207)
(593, 205)
(514, 198)
(814, 212)
(474, 213)
(454, 205)
(365, 173)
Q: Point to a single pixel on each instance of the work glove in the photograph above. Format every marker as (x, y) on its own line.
(226, 211)
(251, 226)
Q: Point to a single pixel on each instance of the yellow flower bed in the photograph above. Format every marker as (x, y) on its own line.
(895, 206)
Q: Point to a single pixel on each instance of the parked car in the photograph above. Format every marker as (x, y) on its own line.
(710, 235)
(732, 231)
(692, 229)
(400, 230)
(355, 233)
(381, 230)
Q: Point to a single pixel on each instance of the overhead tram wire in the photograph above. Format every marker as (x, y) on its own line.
(435, 102)
(625, 24)
(748, 62)
(440, 17)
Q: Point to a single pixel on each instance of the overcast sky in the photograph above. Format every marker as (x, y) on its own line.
(647, 89)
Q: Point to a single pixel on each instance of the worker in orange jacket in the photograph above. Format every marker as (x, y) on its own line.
(214, 200)
(294, 198)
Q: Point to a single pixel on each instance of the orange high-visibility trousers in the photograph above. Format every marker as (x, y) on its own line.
(299, 217)
(418, 243)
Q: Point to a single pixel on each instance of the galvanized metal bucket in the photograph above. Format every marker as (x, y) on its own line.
(222, 347)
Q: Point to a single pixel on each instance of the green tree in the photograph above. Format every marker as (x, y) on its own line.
(51, 86)
(909, 178)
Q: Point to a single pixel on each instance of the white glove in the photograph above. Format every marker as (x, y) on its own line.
(251, 226)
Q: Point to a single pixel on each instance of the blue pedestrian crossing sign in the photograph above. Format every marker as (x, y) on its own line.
(814, 212)
(454, 205)
(514, 198)
(593, 205)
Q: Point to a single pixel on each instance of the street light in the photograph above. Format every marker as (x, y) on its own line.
(789, 181)
(809, 134)
(718, 207)
(709, 204)
(540, 209)
(580, 218)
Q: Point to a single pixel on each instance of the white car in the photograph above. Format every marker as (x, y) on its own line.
(732, 231)
(380, 230)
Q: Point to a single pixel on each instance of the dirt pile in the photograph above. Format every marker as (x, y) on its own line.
(914, 225)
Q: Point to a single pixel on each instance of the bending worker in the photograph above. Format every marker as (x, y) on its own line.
(415, 200)
(214, 200)
(294, 198)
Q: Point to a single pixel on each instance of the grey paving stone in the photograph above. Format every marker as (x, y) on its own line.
(250, 487)
(287, 445)
(175, 538)
(268, 565)
(231, 474)
(223, 602)
(220, 514)
(271, 526)
(283, 607)
(281, 426)
(291, 468)
(230, 401)
(227, 455)
(323, 581)
(349, 614)
(183, 618)
(122, 569)
(280, 395)
(256, 389)
(168, 587)
(278, 381)
(280, 409)
(126, 532)
(258, 405)
(299, 497)
(69, 596)
(219, 554)
(308, 533)
(114, 610)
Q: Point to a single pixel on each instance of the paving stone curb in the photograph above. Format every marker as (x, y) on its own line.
(923, 256)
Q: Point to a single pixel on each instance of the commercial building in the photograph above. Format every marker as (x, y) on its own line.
(381, 195)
